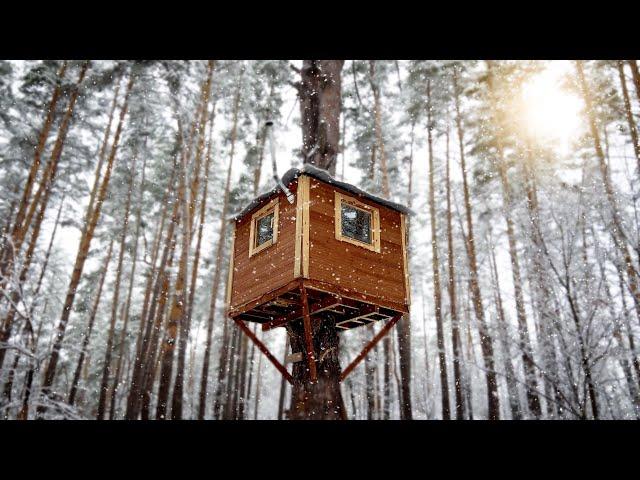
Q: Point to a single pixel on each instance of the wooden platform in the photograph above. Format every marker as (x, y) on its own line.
(285, 305)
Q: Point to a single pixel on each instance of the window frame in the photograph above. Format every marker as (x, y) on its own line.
(341, 198)
(271, 207)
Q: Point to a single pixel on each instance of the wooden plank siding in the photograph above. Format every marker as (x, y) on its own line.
(270, 268)
(349, 266)
(307, 248)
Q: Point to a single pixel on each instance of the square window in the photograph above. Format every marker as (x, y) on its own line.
(356, 223)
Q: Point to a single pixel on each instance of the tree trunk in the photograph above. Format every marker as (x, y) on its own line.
(455, 332)
(149, 304)
(217, 275)
(83, 251)
(87, 333)
(182, 311)
(486, 342)
(127, 308)
(18, 227)
(633, 129)
(319, 91)
(617, 233)
(512, 388)
(435, 264)
(115, 303)
(507, 206)
(636, 76)
(283, 386)
(41, 199)
(320, 400)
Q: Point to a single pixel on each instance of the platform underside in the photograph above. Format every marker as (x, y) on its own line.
(285, 305)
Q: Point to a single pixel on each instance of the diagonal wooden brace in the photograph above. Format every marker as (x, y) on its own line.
(369, 346)
(262, 347)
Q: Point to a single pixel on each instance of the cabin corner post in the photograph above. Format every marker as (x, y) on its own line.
(305, 225)
(405, 259)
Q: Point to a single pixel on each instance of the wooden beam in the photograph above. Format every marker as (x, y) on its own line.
(313, 284)
(308, 336)
(325, 304)
(369, 346)
(251, 304)
(261, 346)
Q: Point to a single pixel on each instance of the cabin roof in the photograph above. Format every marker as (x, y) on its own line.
(324, 176)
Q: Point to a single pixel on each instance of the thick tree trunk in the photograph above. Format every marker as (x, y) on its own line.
(319, 91)
(320, 400)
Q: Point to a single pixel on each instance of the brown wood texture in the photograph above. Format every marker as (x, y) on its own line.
(349, 266)
(334, 265)
(270, 268)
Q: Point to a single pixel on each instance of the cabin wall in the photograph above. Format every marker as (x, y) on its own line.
(271, 268)
(349, 266)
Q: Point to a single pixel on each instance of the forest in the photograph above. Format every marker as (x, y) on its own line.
(120, 179)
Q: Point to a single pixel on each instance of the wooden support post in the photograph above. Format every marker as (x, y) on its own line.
(308, 336)
(262, 347)
(369, 346)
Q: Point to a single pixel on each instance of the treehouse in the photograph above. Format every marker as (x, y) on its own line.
(322, 247)
(317, 248)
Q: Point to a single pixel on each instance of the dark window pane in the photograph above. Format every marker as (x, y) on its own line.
(264, 229)
(356, 223)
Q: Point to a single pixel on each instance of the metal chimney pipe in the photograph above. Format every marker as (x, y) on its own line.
(272, 148)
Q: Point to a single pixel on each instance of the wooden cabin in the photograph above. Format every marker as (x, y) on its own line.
(344, 249)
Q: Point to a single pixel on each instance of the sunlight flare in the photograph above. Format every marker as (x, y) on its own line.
(550, 112)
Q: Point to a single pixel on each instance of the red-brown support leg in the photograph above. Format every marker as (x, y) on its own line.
(369, 346)
(308, 336)
(264, 350)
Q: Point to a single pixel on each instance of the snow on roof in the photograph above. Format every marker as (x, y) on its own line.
(324, 176)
